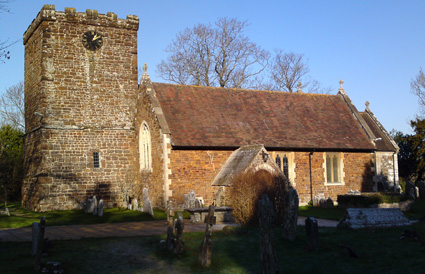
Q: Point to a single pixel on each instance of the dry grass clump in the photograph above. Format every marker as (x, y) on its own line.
(247, 188)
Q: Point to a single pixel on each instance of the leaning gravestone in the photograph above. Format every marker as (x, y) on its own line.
(411, 191)
(421, 187)
(179, 244)
(206, 246)
(94, 205)
(147, 205)
(290, 215)
(268, 253)
(312, 231)
(100, 208)
(170, 241)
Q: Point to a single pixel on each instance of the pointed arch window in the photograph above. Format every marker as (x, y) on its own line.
(145, 147)
(285, 166)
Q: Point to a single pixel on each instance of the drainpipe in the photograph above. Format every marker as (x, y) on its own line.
(394, 155)
(311, 179)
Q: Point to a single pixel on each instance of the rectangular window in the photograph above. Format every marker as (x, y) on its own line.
(333, 168)
(96, 160)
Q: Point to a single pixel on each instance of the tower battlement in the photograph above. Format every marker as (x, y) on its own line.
(90, 17)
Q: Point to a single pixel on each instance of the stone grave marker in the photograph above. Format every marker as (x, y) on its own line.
(94, 205)
(290, 215)
(170, 241)
(312, 231)
(186, 200)
(40, 243)
(198, 203)
(268, 252)
(34, 239)
(206, 246)
(411, 191)
(147, 205)
(179, 226)
(88, 206)
(100, 208)
(192, 199)
(134, 204)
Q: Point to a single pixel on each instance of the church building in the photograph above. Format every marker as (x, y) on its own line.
(93, 129)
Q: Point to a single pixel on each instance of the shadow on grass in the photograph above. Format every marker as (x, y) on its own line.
(235, 250)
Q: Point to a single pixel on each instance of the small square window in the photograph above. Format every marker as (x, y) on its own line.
(96, 160)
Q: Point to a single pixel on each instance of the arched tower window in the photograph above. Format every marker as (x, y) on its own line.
(145, 147)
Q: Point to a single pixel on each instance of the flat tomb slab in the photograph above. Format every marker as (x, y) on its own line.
(373, 217)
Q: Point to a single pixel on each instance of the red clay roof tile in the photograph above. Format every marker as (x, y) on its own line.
(224, 117)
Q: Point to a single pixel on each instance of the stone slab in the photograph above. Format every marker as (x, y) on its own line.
(357, 218)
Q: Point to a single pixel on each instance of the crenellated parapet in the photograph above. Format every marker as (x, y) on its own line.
(90, 17)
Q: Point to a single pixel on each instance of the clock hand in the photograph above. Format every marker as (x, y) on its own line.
(95, 37)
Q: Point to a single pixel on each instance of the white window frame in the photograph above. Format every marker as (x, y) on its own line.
(145, 148)
(339, 157)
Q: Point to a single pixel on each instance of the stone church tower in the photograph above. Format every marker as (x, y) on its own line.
(80, 95)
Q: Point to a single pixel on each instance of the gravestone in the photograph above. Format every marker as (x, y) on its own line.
(170, 241)
(268, 252)
(312, 231)
(290, 215)
(100, 208)
(328, 203)
(94, 205)
(373, 217)
(411, 191)
(179, 243)
(421, 187)
(34, 239)
(147, 205)
(199, 203)
(192, 199)
(206, 246)
(186, 201)
(88, 206)
(40, 243)
(134, 204)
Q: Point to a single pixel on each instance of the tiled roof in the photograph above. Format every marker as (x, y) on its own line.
(223, 117)
(381, 145)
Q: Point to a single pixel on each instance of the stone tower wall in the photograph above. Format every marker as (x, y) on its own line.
(78, 101)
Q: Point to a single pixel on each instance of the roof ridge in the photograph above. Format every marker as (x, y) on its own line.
(246, 89)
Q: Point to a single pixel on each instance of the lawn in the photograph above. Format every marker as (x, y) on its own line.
(21, 217)
(235, 250)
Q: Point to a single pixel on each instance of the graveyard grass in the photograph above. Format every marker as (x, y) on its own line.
(21, 217)
(235, 250)
(334, 213)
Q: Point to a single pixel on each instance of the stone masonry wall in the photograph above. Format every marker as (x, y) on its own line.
(64, 174)
(78, 101)
(357, 170)
(196, 169)
(152, 179)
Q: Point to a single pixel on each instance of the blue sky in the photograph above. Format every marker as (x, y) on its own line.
(376, 47)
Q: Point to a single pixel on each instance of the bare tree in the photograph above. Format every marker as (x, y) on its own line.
(4, 53)
(12, 110)
(213, 56)
(287, 70)
(417, 87)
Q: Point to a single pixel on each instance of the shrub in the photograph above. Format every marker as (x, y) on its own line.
(247, 188)
(368, 199)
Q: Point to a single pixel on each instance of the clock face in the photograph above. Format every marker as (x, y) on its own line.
(92, 40)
